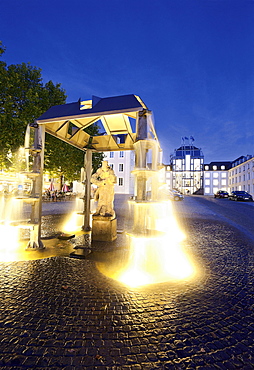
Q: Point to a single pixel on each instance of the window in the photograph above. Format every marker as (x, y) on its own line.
(215, 182)
(206, 168)
(121, 154)
(120, 167)
(207, 182)
(111, 155)
(207, 190)
(223, 182)
(207, 174)
(223, 174)
(214, 168)
(120, 181)
(222, 167)
(215, 175)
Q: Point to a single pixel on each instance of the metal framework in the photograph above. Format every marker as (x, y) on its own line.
(68, 123)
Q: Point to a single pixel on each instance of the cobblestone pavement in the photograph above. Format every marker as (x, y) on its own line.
(61, 313)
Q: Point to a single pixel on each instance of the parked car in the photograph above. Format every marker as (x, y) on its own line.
(221, 194)
(175, 195)
(240, 195)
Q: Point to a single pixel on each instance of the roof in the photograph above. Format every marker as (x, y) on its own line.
(69, 121)
(188, 150)
(95, 107)
(188, 147)
(227, 165)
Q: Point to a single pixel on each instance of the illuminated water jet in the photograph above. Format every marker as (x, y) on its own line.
(156, 252)
(9, 242)
(156, 255)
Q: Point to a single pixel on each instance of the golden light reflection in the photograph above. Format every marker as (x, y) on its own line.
(75, 219)
(9, 242)
(155, 255)
(73, 223)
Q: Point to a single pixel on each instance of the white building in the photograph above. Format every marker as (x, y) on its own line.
(187, 169)
(241, 175)
(122, 162)
(216, 177)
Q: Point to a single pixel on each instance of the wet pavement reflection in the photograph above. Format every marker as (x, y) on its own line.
(62, 313)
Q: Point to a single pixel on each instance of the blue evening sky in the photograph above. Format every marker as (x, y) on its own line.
(191, 61)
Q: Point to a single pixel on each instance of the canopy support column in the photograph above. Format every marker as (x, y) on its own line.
(87, 197)
(38, 165)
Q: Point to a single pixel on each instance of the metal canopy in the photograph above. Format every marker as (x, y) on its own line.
(67, 122)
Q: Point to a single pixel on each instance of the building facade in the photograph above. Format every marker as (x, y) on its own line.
(187, 169)
(216, 177)
(241, 174)
(122, 162)
(188, 173)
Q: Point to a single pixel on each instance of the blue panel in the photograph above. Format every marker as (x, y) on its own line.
(100, 106)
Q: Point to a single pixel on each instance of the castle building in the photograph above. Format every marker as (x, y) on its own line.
(187, 169)
(187, 172)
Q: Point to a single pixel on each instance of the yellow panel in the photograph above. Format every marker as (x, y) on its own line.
(130, 139)
(85, 122)
(86, 104)
(104, 143)
(107, 143)
(80, 138)
(53, 127)
(116, 124)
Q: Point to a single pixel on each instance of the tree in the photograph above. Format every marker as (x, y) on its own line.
(69, 163)
(23, 98)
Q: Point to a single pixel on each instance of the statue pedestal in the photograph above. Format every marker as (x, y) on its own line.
(104, 228)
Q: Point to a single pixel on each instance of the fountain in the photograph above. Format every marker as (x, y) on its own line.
(154, 241)
(21, 207)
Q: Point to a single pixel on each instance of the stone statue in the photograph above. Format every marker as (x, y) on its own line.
(105, 179)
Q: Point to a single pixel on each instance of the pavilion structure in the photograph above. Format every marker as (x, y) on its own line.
(69, 122)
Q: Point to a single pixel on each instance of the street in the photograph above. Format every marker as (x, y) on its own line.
(237, 214)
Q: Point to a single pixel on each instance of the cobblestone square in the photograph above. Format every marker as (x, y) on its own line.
(62, 313)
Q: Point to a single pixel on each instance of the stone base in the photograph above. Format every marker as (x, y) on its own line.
(104, 228)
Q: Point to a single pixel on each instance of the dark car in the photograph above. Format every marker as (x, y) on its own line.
(240, 195)
(175, 195)
(221, 194)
